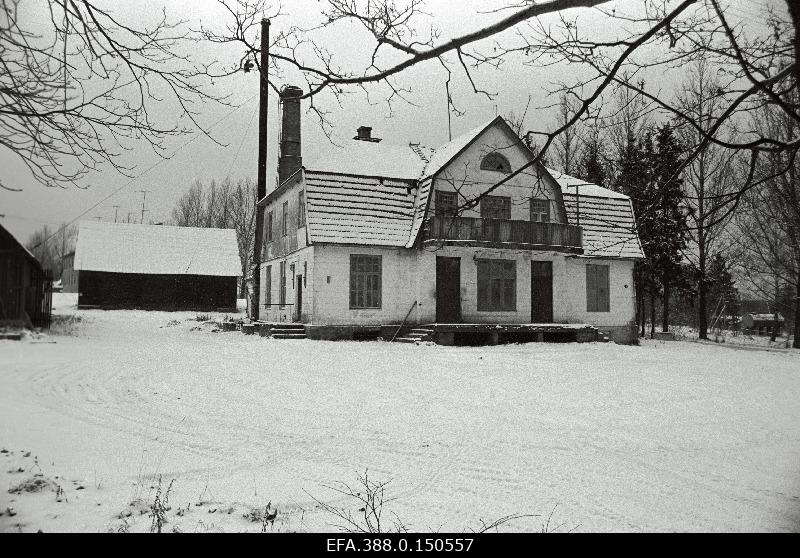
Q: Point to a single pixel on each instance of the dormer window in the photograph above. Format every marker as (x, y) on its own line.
(540, 210)
(496, 162)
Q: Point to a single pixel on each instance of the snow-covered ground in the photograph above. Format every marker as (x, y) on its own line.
(735, 338)
(666, 436)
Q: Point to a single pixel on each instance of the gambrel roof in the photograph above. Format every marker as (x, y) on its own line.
(377, 194)
(606, 217)
(157, 250)
(351, 209)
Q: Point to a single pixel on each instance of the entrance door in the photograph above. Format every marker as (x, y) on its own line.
(541, 292)
(298, 309)
(448, 290)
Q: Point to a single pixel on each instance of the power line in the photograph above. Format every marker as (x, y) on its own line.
(148, 169)
(244, 136)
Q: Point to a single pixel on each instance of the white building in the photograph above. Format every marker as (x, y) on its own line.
(372, 235)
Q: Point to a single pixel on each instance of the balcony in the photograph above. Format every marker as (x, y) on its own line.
(504, 233)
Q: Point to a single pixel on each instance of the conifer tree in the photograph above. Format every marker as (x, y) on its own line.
(632, 180)
(665, 220)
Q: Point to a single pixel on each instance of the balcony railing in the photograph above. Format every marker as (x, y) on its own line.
(505, 231)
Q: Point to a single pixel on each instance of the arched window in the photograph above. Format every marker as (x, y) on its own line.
(495, 162)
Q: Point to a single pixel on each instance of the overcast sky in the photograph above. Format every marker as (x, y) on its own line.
(197, 157)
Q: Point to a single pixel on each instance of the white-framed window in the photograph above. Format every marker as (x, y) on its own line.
(497, 285)
(365, 281)
(540, 210)
(496, 207)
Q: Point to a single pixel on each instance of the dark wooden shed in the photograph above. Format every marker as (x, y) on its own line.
(25, 288)
(156, 267)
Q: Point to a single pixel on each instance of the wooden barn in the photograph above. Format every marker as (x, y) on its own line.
(25, 288)
(156, 267)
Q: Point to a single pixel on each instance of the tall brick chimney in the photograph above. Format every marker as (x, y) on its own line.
(290, 159)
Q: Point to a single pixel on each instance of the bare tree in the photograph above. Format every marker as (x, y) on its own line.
(50, 247)
(223, 205)
(75, 96)
(708, 180)
(769, 224)
(567, 145)
(655, 36)
(629, 116)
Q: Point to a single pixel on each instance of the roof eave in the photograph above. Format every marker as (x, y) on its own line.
(283, 186)
(466, 146)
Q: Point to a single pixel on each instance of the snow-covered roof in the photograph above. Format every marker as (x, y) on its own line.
(364, 193)
(571, 185)
(157, 249)
(367, 158)
(445, 153)
(606, 217)
(763, 317)
(346, 209)
(371, 158)
(609, 227)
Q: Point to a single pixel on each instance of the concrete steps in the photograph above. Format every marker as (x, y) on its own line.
(288, 331)
(415, 335)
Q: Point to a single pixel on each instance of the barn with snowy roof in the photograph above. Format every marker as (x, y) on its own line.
(157, 267)
(463, 242)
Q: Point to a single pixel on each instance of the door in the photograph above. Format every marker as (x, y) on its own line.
(298, 309)
(541, 292)
(448, 290)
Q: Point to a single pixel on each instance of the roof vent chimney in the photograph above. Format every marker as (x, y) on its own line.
(364, 133)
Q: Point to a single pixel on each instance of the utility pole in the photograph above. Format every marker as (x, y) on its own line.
(144, 197)
(261, 192)
(116, 209)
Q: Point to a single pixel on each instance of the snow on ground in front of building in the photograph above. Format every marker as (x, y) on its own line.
(668, 436)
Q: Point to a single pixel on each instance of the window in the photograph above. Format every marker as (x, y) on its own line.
(269, 226)
(496, 207)
(446, 203)
(365, 281)
(540, 210)
(268, 286)
(285, 218)
(282, 294)
(495, 162)
(597, 290)
(301, 210)
(497, 285)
